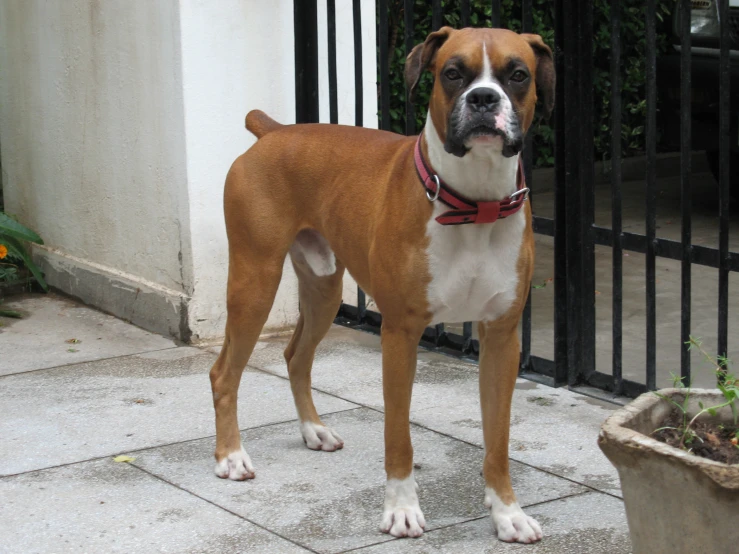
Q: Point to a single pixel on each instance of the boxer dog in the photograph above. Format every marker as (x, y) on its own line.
(435, 228)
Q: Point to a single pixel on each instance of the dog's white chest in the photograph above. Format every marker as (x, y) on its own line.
(474, 275)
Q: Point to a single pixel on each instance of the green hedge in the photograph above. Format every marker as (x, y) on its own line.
(633, 44)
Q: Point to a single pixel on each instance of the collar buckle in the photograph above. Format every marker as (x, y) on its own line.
(433, 197)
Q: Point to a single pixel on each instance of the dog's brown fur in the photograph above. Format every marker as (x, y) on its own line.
(358, 188)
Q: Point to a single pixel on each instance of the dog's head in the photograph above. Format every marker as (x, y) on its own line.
(486, 85)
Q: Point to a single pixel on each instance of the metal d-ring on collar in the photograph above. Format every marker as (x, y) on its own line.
(438, 189)
(524, 191)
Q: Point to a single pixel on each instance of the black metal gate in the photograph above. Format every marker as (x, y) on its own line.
(573, 226)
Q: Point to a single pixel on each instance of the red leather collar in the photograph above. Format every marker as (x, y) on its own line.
(463, 210)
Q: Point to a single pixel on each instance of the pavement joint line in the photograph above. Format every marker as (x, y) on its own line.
(592, 489)
(447, 435)
(243, 518)
(83, 362)
(147, 448)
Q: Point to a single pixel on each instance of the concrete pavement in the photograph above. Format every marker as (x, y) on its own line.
(65, 414)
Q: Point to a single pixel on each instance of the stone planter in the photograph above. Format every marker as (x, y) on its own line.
(675, 502)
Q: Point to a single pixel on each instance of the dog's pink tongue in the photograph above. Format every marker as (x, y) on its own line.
(500, 122)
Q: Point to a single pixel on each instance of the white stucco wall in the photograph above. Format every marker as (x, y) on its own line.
(238, 55)
(118, 122)
(92, 132)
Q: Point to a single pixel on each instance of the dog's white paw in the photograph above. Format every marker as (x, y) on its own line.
(320, 437)
(402, 516)
(236, 466)
(510, 521)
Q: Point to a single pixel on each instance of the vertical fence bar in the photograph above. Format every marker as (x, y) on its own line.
(724, 176)
(358, 113)
(586, 188)
(384, 66)
(526, 25)
(436, 16)
(526, 334)
(527, 17)
(332, 87)
(651, 176)
(358, 80)
(686, 202)
(436, 21)
(573, 215)
(561, 289)
(305, 21)
(616, 204)
(495, 16)
(467, 334)
(467, 325)
(410, 111)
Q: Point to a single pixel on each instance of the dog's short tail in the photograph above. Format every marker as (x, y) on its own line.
(259, 123)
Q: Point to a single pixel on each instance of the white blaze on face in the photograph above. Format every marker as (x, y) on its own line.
(486, 79)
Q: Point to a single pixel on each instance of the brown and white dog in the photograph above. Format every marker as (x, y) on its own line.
(336, 197)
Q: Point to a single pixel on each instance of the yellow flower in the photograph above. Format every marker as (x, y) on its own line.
(3, 251)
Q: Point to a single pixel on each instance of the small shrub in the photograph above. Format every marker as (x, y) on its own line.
(13, 252)
(728, 384)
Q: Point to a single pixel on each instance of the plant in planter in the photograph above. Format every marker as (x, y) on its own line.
(668, 448)
(718, 442)
(15, 260)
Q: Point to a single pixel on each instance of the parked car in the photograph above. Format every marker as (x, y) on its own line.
(704, 52)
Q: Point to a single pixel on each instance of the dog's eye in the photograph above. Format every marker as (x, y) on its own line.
(519, 76)
(452, 74)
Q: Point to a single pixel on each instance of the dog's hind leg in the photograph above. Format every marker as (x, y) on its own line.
(252, 285)
(320, 279)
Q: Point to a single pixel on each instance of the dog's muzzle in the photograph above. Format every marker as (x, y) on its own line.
(481, 112)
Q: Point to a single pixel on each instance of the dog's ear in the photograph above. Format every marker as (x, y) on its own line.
(421, 57)
(545, 76)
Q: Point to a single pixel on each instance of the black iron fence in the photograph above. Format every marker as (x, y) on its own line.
(573, 228)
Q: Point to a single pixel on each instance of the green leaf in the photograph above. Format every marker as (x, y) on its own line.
(10, 313)
(9, 227)
(712, 411)
(17, 248)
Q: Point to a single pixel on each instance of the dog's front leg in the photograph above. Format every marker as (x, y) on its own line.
(499, 355)
(402, 516)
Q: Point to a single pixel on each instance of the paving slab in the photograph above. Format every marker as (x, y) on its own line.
(74, 413)
(331, 502)
(103, 506)
(590, 523)
(555, 430)
(552, 429)
(38, 340)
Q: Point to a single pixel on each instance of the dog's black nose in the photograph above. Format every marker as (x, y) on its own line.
(482, 98)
